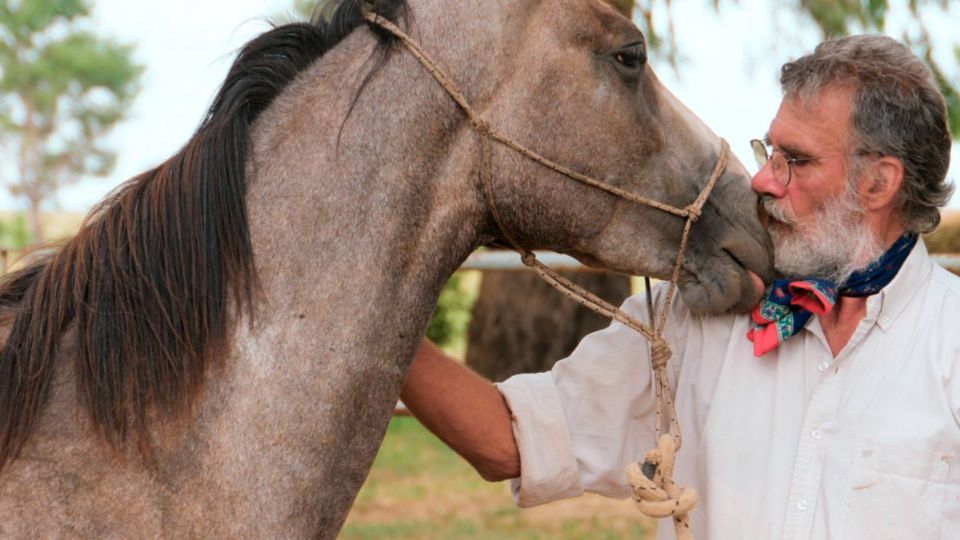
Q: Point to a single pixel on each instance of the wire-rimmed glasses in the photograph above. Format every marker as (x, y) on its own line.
(780, 164)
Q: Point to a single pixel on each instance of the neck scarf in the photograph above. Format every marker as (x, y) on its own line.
(789, 305)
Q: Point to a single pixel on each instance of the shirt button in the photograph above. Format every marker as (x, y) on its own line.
(802, 506)
(823, 366)
(885, 320)
(816, 434)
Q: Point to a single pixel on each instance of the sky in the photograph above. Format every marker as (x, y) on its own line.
(727, 75)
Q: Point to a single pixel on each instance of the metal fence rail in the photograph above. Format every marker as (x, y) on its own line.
(502, 259)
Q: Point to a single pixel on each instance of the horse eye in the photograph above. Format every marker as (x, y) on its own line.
(632, 57)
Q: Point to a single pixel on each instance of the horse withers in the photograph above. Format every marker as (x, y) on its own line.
(218, 351)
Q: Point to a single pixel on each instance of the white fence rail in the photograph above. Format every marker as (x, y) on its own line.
(504, 259)
(501, 259)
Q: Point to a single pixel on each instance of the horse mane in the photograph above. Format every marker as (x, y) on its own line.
(145, 285)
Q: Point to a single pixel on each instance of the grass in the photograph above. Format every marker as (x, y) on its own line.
(420, 489)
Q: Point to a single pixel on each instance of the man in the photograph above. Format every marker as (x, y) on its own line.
(847, 425)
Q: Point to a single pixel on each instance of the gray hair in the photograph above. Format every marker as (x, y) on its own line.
(898, 111)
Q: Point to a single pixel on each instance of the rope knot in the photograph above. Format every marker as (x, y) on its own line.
(659, 352)
(480, 125)
(654, 491)
(693, 212)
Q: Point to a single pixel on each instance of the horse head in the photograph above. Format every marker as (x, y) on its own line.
(574, 84)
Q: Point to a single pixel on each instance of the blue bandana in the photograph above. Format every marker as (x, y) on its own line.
(789, 305)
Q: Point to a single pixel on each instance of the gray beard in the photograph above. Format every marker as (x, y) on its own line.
(831, 243)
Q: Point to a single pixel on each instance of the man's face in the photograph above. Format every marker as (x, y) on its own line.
(816, 221)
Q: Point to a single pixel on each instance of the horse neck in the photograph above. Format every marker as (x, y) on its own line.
(373, 180)
(359, 212)
(372, 190)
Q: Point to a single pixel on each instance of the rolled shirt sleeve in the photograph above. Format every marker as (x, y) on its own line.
(579, 425)
(548, 468)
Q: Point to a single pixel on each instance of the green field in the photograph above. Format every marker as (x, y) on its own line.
(419, 489)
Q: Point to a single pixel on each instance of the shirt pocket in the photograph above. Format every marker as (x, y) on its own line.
(895, 492)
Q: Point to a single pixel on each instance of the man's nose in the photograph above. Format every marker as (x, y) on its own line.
(764, 182)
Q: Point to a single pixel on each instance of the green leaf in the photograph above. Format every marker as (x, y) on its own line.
(14, 233)
(876, 13)
(7, 125)
(29, 17)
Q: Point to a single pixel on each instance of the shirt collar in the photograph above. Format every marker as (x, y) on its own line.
(903, 288)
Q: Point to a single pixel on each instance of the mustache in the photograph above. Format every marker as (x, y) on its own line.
(772, 207)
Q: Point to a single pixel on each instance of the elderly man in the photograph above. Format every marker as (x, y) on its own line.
(834, 416)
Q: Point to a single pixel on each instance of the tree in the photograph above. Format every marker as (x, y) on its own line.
(61, 89)
(832, 18)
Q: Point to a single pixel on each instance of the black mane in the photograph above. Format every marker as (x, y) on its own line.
(146, 283)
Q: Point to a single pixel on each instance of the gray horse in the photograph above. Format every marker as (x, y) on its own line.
(217, 353)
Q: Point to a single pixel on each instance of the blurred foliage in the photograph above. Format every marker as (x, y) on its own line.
(304, 8)
(14, 233)
(832, 18)
(61, 89)
(623, 6)
(448, 326)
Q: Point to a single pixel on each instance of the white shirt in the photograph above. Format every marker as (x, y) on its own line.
(795, 444)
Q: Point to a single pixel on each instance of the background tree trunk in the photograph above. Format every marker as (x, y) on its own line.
(522, 325)
(34, 221)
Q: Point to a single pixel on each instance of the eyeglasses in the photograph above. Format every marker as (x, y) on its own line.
(780, 164)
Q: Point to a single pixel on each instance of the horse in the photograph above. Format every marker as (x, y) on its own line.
(218, 350)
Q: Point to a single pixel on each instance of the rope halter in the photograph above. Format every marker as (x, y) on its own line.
(659, 461)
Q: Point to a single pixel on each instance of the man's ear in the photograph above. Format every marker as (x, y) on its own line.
(881, 182)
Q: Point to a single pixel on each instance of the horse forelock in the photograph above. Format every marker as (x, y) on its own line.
(147, 282)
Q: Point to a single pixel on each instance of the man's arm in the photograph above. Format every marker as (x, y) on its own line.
(464, 410)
